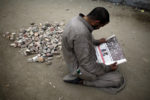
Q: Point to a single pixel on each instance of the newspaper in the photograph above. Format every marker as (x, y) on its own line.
(110, 52)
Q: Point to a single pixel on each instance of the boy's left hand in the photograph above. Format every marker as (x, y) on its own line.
(102, 40)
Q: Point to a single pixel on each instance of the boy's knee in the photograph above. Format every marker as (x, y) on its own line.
(119, 81)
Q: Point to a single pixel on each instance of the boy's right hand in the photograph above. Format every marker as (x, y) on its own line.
(114, 66)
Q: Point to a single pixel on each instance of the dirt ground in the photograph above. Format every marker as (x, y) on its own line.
(20, 80)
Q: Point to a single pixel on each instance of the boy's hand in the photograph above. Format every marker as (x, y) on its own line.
(102, 40)
(114, 66)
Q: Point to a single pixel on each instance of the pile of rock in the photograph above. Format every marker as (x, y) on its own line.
(43, 40)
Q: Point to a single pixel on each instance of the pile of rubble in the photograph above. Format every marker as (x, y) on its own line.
(43, 40)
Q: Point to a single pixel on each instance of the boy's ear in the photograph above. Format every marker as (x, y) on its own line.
(97, 21)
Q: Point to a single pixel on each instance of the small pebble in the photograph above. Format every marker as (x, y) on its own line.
(43, 40)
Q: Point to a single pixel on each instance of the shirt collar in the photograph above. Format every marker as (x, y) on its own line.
(85, 22)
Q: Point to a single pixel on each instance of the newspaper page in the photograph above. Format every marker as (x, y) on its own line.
(110, 52)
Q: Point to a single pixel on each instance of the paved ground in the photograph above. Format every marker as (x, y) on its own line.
(20, 80)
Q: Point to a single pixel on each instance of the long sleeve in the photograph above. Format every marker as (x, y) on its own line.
(96, 42)
(85, 53)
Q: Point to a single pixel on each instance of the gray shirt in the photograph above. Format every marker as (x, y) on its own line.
(78, 47)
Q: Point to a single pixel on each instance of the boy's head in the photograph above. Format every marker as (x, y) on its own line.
(99, 17)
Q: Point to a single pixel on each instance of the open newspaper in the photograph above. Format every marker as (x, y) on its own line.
(110, 52)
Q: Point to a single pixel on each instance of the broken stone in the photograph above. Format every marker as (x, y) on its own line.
(61, 98)
(54, 86)
(60, 47)
(35, 29)
(49, 55)
(44, 55)
(142, 11)
(47, 24)
(51, 28)
(44, 27)
(50, 58)
(58, 56)
(6, 35)
(22, 30)
(32, 23)
(13, 45)
(50, 83)
(43, 39)
(56, 53)
(44, 51)
(12, 36)
(27, 52)
(34, 59)
(36, 34)
(48, 62)
(62, 23)
(40, 59)
(30, 60)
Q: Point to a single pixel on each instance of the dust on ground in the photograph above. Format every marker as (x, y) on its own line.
(20, 80)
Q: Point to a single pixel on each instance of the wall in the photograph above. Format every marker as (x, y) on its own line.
(145, 4)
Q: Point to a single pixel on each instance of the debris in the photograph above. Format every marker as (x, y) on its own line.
(56, 53)
(30, 60)
(142, 11)
(43, 40)
(13, 45)
(7, 35)
(52, 84)
(12, 36)
(49, 58)
(48, 62)
(27, 52)
(61, 98)
(35, 59)
(58, 56)
(40, 59)
(32, 23)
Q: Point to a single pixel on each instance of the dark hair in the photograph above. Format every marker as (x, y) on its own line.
(99, 13)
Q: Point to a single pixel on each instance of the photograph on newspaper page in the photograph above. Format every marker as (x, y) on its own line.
(110, 52)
